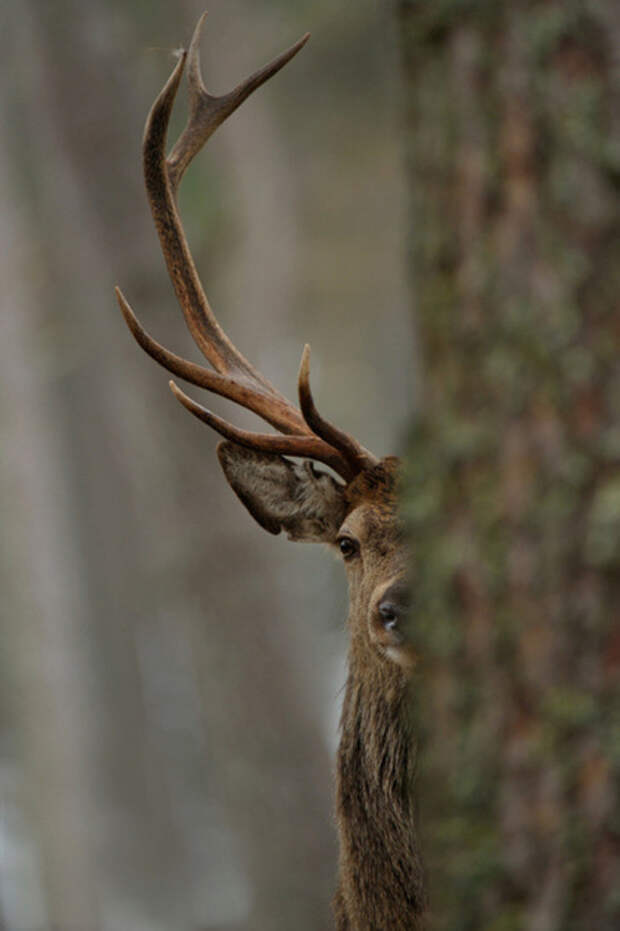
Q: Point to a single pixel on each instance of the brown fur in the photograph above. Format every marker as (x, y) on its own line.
(381, 878)
(380, 883)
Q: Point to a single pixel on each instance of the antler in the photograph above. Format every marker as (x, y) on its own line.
(302, 433)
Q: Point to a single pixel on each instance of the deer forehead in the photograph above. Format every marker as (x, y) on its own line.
(372, 515)
(377, 485)
(371, 526)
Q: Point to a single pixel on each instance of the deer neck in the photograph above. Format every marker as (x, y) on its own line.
(381, 882)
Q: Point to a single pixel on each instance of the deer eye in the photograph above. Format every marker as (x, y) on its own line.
(348, 547)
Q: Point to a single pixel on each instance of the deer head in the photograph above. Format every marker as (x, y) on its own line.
(353, 511)
(357, 515)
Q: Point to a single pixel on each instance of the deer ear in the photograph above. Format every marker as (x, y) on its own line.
(284, 495)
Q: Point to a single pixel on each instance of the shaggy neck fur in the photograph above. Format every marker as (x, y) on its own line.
(381, 880)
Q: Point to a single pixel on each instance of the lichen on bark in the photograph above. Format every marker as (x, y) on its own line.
(513, 487)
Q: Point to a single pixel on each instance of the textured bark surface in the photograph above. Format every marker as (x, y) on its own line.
(514, 155)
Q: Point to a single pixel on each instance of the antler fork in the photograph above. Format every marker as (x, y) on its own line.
(302, 432)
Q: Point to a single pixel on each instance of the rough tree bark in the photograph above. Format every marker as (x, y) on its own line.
(514, 481)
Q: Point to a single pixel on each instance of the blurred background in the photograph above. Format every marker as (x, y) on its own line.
(170, 674)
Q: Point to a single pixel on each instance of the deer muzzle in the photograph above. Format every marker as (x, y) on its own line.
(389, 621)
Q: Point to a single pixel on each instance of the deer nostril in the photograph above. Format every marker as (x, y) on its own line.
(390, 614)
(394, 605)
(388, 623)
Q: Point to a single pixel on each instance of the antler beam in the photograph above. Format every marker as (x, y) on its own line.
(306, 433)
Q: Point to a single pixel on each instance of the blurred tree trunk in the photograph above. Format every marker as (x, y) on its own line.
(41, 586)
(147, 794)
(514, 482)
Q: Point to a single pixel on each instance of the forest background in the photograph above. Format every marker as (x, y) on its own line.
(170, 676)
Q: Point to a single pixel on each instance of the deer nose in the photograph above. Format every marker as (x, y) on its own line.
(394, 605)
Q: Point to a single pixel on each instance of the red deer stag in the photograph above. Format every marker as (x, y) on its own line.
(380, 883)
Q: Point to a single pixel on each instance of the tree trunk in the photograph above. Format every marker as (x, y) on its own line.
(513, 115)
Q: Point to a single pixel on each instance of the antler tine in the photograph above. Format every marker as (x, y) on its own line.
(307, 446)
(306, 434)
(207, 112)
(352, 451)
(269, 407)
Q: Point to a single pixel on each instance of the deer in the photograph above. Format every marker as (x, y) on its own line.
(354, 510)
